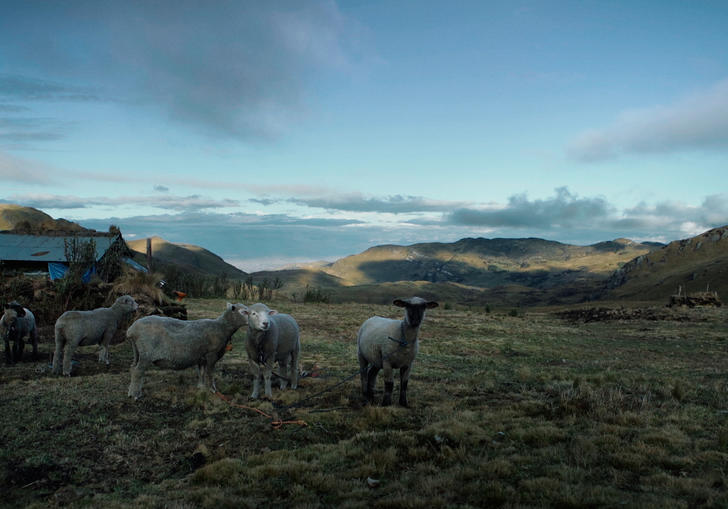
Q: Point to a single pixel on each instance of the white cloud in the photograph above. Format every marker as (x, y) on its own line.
(698, 122)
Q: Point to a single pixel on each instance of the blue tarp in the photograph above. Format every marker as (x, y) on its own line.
(135, 265)
(58, 271)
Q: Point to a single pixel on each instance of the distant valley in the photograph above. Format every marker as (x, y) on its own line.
(471, 271)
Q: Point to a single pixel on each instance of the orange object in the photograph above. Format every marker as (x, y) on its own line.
(228, 347)
(180, 295)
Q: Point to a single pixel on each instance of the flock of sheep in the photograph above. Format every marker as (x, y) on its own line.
(169, 343)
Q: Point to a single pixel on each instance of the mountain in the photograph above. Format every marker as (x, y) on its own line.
(488, 263)
(694, 265)
(474, 270)
(185, 256)
(30, 220)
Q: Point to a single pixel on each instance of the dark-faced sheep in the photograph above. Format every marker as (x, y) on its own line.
(81, 328)
(272, 337)
(387, 344)
(169, 343)
(17, 323)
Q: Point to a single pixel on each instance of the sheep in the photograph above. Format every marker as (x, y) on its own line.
(383, 343)
(82, 328)
(272, 336)
(16, 323)
(170, 343)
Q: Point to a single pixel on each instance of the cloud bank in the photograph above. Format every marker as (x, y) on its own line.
(699, 122)
(233, 69)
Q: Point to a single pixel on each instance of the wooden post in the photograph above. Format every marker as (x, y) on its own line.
(149, 254)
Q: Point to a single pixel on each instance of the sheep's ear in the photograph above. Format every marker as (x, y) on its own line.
(230, 306)
(431, 304)
(272, 312)
(400, 303)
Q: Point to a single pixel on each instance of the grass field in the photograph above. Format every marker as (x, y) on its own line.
(514, 409)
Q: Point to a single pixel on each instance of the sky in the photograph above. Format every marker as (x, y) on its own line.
(282, 132)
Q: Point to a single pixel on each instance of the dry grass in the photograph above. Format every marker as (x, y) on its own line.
(512, 411)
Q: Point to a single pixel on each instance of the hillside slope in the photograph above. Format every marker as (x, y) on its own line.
(186, 256)
(488, 263)
(28, 219)
(695, 264)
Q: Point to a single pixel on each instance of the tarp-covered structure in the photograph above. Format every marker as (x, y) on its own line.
(48, 252)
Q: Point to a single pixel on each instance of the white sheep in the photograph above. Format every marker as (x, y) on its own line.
(383, 343)
(16, 323)
(170, 343)
(272, 337)
(82, 328)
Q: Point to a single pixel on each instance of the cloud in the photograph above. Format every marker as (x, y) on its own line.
(16, 169)
(396, 204)
(161, 189)
(698, 122)
(234, 69)
(177, 203)
(25, 88)
(564, 210)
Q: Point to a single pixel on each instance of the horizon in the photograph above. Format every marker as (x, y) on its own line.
(289, 132)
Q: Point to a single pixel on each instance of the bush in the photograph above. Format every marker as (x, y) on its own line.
(315, 295)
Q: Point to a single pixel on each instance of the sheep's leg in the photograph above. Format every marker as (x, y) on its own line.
(255, 370)
(19, 348)
(284, 367)
(388, 384)
(200, 375)
(8, 352)
(404, 373)
(363, 373)
(209, 371)
(34, 338)
(67, 356)
(104, 345)
(294, 371)
(58, 354)
(137, 379)
(371, 382)
(267, 374)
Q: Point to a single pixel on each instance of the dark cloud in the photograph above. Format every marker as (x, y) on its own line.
(161, 189)
(396, 204)
(564, 210)
(264, 201)
(696, 123)
(235, 69)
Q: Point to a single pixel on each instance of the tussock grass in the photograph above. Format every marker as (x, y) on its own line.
(514, 411)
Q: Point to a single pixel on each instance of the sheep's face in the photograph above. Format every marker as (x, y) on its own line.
(9, 324)
(127, 302)
(259, 317)
(238, 314)
(414, 309)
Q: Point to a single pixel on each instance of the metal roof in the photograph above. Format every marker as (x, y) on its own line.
(41, 248)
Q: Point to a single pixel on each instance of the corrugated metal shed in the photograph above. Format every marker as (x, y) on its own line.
(40, 248)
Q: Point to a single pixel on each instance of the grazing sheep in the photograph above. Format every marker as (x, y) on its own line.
(82, 328)
(170, 343)
(16, 323)
(390, 344)
(272, 336)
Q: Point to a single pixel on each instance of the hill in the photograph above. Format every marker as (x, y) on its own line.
(30, 220)
(472, 270)
(186, 256)
(694, 264)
